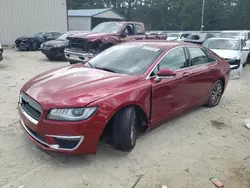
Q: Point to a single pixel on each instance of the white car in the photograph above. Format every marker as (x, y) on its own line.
(233, 50)
(177, 36)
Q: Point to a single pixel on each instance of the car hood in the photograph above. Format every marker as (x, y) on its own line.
(25, 37)
(92, 35)
(75, 86)
(227, 54)
(52, 43)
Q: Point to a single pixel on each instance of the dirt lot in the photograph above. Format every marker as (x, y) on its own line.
(183, 153)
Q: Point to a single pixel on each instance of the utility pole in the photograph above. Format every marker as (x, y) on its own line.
(202, 15)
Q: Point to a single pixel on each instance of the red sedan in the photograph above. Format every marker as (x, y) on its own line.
(124, 90)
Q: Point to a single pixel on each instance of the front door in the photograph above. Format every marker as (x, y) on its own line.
(171, 94)
(244, 53)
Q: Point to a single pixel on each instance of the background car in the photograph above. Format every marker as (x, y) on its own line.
(198, 38)
(177, 36)
(121, 91)
(233, 50)
(34, 42)
(1, 52)
(54, 49)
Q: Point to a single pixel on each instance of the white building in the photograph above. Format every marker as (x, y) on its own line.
(28, 17)
(86, 19)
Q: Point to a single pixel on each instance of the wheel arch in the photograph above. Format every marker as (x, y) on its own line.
(139, 110)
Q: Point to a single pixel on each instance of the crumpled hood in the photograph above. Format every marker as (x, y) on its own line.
(25, 37)
(227, 54)
(92, 35)
(75, 86)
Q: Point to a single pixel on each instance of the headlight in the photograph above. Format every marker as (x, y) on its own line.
(0, 46)
(73, 114)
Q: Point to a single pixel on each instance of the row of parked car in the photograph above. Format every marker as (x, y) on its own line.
(80, 46)
(234, 46)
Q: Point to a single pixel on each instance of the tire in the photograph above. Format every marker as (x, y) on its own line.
(125, 129)
(248, 59)
(216, 94)
(34, 46)
(72, 62)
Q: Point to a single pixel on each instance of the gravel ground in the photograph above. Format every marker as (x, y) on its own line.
(183, 153)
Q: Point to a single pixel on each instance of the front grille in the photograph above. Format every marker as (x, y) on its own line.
(30, 106)
(78, 43)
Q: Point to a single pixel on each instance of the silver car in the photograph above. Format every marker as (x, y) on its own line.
(234, 50)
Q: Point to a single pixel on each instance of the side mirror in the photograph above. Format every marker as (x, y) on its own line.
(165, 73)
(123, 35)
(245, 48)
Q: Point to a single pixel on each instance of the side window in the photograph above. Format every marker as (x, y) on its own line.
(248, 37)
(198, 57)
(129, 29)
(210, 57)
(174, 60)
(139, 29)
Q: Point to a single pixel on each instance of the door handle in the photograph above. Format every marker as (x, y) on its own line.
(185, 74)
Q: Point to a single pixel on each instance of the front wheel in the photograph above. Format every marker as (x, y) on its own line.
(216, 94)
(124, 129)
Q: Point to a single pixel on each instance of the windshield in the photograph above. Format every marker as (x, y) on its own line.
(131, 59)
(222, 44)
(65, 35)
(107, 27)
(175, 35)
(233, 34)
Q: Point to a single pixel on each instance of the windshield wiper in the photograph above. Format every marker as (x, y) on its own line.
(90, 65)
(105, 69)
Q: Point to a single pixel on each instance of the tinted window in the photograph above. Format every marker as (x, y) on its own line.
(131, 59)
(139, 29)
(209, 55)
(198, 57)
(175, 59)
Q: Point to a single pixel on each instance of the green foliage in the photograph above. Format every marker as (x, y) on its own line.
(177, 14)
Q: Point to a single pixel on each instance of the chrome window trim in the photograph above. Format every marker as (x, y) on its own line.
(148, 76)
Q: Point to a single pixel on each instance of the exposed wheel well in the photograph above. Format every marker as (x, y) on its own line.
(139, 111)
(223, 81)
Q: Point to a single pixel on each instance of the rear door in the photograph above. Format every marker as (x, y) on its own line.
(203, 72)
(244, 54)
(140, 31)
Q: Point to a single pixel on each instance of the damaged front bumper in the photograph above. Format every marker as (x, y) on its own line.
(77, 56)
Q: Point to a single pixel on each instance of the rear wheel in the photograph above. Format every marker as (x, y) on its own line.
(125, 129)
(216, 94)
(34, 46)
(73, 62)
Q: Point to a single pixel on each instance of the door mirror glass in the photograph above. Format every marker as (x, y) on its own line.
(124, 34)
(166, 73)
(245, 48)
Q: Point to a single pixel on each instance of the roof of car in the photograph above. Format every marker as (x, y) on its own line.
(224, 38)
(235, 31)
(161, 44)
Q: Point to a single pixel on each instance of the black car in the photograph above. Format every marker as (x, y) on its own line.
(1, 52)
(198, 38)
(33, 42)
(54, 49)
